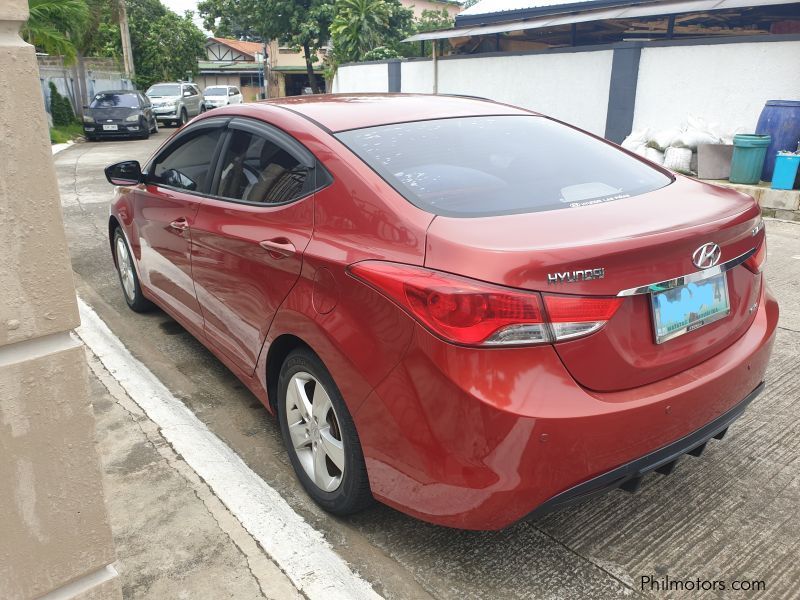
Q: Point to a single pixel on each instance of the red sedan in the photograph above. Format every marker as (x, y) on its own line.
(468, 311)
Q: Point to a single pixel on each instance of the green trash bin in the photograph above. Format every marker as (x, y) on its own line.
(749, 152)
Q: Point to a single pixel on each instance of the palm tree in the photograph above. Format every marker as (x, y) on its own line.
(54, 26)
(358, 27)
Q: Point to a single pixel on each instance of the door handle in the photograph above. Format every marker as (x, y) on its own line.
(180, 224)
(278, 247)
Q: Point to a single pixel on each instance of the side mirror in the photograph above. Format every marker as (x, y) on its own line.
(187, 94)
(128, 172)
(231, 93)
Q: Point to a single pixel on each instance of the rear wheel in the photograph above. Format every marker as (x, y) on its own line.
(320, 437)
(131, 289)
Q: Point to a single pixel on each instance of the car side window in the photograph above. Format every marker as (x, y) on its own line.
(187, 165)
(255, 169)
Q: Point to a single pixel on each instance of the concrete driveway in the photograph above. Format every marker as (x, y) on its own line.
(728, 515)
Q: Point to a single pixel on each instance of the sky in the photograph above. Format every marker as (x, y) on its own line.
(181, 6)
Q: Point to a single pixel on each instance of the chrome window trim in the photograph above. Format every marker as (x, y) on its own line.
(668, 284)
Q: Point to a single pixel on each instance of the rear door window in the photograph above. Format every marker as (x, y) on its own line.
(257, 170)
(481, 166)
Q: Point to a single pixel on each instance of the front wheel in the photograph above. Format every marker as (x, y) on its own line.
(184, 118)
(154, 128)
(128, 278)
(320, 437)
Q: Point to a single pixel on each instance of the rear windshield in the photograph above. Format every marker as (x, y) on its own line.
(165, 89)
(216, 91)
(479, 166)
(115, 101)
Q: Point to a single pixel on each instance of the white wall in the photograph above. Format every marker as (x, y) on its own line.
(417, 77)
(725, 84)
(362, 78)
(569, 86)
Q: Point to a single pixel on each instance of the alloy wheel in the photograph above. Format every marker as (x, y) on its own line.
(315, 432)
(125, 267)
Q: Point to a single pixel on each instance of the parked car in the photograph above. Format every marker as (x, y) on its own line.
(175, 103)
(221, 95)
(119, 113)
(468, 311)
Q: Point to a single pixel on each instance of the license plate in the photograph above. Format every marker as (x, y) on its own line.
(110, 128)
(689, 307)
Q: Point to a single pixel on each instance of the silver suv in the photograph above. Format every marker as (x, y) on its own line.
(175, 103)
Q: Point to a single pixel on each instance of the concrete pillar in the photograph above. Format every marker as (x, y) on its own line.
(55, 540)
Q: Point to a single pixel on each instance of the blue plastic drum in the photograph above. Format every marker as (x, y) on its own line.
(780, 119)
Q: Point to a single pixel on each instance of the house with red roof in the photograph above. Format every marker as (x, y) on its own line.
(250, 65)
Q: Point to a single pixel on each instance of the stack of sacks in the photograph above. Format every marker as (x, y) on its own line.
(676, 149)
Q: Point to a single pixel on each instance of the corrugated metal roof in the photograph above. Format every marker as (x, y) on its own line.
(495, 6)
(618, 12)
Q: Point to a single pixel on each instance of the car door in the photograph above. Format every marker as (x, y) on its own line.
(248, 241)
(147, 109)
(235, 96)
(192, 101)
(165, 208)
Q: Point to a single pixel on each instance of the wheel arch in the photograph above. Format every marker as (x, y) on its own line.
(113, 225)
(278, 350)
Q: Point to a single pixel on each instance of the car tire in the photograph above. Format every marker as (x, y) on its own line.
(128, 279)
(154, 128)
(184, 118)
(314, 437)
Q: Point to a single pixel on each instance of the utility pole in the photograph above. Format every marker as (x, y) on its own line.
(125, 34)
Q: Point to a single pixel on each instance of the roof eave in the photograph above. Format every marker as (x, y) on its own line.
(463, 20)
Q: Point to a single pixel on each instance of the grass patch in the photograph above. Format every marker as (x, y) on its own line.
(65, 133)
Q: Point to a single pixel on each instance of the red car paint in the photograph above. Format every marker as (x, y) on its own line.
(470, 437)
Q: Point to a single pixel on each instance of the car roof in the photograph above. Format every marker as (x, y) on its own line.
(117, 92)
(340, 112)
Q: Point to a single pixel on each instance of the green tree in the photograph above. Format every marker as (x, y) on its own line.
(300, 24)
(360, 27)
(101, 35)
(53, 26)
(60, 108)
(165, 46)
(431, 20)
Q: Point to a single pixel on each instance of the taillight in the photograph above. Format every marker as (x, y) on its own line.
(576, 316)
(756, 262)
(474, 313)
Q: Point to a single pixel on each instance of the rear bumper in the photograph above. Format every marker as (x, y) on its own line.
(629, 476)
(481, 438)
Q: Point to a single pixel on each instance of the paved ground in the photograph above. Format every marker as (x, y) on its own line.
(729, 515)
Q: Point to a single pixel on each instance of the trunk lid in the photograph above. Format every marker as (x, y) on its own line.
(635, 241)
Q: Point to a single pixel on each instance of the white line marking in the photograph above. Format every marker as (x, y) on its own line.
(300, 550)
(82, 585)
